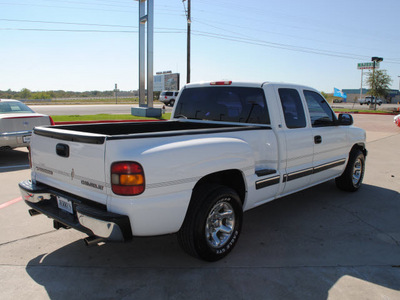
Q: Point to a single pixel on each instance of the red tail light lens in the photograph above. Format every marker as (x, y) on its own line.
(127, 178)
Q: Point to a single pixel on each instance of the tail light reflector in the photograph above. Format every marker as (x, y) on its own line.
(127, 178)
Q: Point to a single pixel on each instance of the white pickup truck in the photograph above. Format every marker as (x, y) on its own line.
(229, 147)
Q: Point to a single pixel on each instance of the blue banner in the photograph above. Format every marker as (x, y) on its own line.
(339, 93)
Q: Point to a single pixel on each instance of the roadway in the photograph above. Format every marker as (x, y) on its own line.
(85, 109)
(321, 243)
(126, 108)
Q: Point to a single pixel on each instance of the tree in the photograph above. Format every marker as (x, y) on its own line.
(378, 82)
(25, 94)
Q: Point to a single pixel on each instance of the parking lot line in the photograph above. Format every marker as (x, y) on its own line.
(4, 205)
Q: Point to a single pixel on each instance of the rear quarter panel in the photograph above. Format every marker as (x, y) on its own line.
(172, 168)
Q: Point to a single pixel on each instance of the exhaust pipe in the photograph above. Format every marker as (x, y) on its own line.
(57, 225)
(93, 240)
(33, 212)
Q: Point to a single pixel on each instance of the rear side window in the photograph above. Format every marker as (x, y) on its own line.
(292, 108)
(229, 104)
(320, 112)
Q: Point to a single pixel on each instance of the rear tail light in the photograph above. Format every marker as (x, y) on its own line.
(127, 178)
(51, 121)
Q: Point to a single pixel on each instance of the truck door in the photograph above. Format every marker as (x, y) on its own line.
(330, 142)
(299, 141)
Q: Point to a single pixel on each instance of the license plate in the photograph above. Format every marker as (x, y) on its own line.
(26, 139)
(65, 204)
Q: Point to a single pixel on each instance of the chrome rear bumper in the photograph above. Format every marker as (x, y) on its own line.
(87, 216)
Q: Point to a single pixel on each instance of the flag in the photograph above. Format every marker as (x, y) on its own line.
(339, 93)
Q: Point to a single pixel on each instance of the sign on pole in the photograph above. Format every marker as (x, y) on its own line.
(367, 66)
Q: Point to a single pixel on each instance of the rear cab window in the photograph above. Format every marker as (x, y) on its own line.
(292, 107)
(229, 104)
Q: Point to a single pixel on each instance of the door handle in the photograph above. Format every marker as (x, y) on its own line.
(317, 139)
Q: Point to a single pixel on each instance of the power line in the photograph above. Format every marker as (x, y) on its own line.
(215, 36)
(67, 23)
(86, 30)
(236, 38)
(65, 7)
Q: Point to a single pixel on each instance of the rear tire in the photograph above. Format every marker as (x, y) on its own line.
(353, 175)
(213, 222)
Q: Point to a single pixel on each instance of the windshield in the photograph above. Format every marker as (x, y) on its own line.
(14, 107)
(229, 104)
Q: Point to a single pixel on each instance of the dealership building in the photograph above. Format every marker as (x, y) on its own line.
(354, 94)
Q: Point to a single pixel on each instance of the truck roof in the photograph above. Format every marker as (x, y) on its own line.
(243, 84)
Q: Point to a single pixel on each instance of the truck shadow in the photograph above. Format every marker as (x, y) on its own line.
(307, 245)
(14, 160)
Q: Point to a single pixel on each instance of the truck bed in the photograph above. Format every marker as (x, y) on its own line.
(97, 133)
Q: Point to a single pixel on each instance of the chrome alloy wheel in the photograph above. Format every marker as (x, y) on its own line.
(220, 224)
(357, 171)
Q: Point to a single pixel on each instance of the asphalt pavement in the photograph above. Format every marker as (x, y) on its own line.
(321, 243)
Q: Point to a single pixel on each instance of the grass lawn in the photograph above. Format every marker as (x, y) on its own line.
(371, 111)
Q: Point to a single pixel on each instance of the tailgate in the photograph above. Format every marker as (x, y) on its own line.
(70, 161)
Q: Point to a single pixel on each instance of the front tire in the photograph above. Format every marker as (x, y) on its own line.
(213, 222)
(353, 175)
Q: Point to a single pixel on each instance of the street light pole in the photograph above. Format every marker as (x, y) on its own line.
(374, 60)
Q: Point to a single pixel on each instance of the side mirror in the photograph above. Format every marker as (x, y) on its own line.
(345, 120)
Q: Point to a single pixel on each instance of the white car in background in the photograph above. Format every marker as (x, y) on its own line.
(168, 97)
(370, 99)
(16, 123)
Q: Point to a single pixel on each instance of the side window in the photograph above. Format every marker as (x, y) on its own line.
(292, 108)
(320, 112)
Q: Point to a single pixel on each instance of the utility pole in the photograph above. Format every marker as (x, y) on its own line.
(189, 22)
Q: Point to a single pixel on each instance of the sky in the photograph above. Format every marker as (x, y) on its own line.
(85, 45)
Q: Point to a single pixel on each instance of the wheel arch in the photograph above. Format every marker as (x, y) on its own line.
(361, 147)
(231, 178)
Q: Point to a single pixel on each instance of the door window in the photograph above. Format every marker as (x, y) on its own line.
(320, 112)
